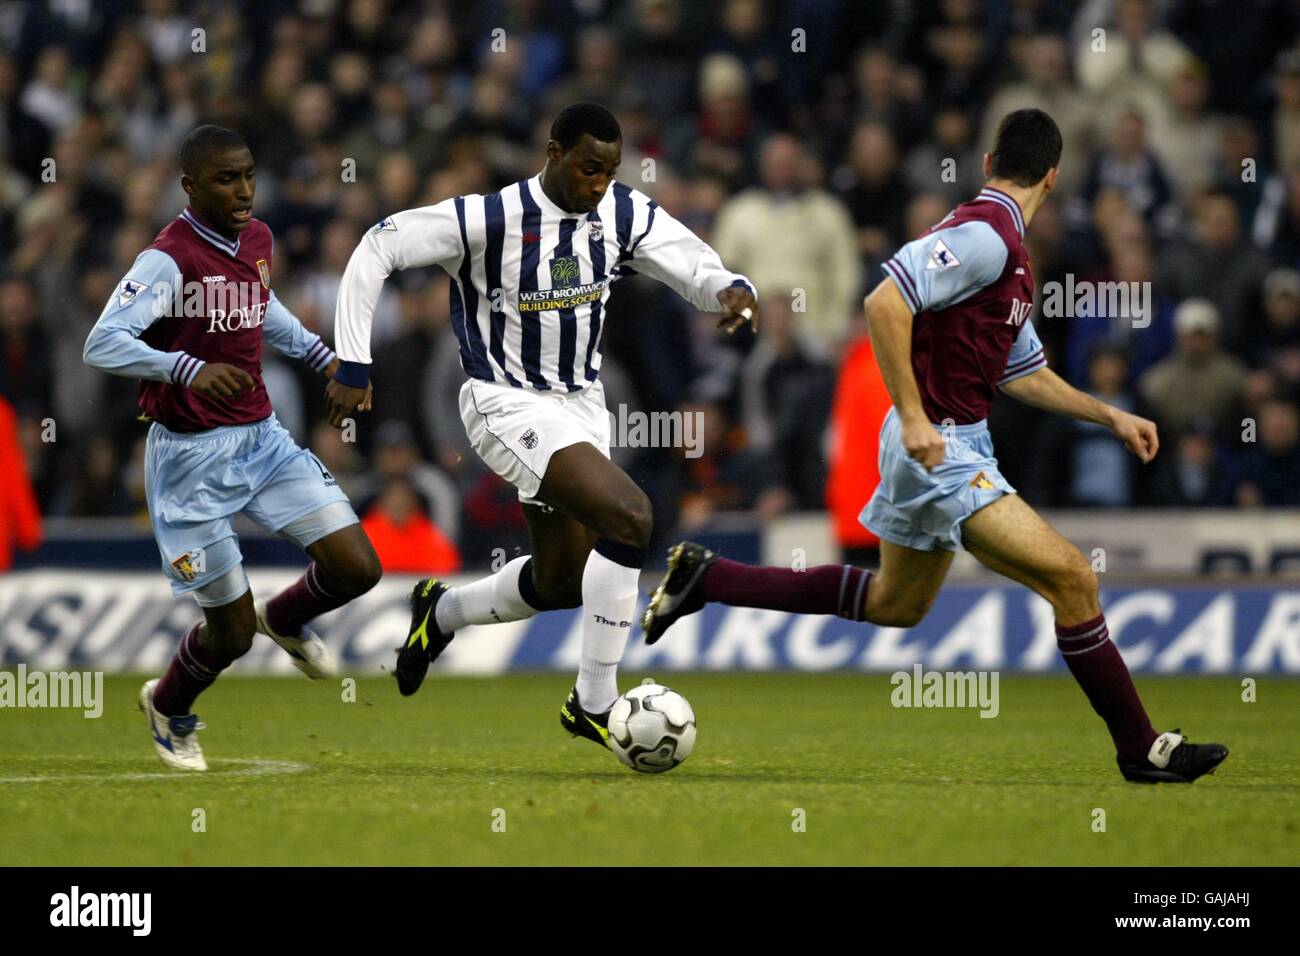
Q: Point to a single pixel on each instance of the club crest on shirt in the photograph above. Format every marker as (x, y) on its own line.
(184, 567)
(264, 271)
(529, 439)
(564, 270)
(598, 231)
(129, 290)
(941, 257)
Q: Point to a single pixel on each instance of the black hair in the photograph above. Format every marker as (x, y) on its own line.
(1028, 145)
(583, 118)
(203, 141)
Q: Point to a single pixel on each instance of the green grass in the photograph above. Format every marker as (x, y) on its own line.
(395, 781)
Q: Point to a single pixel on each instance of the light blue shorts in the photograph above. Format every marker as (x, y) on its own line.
(925, 510)
(197, 482)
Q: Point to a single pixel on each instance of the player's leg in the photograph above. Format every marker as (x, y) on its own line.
(208, 648)
(584, 484)
(898, 595)
(1011, 538)
(296, 496)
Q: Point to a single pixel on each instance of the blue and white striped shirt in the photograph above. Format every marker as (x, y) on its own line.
(530, 280)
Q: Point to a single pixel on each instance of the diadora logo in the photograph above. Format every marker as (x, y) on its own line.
(1019, 312)
(564, 270)
(529, 439)
(214, 278)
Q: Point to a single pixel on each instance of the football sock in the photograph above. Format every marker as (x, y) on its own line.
(609, 593)
(192, 671)
(306, 598)
(839, 589)
(1096, 664)
(508, 595)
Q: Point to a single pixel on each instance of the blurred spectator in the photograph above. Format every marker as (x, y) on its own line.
(24, 351)
(874, 190)
(1098, 468)
(952, 140)
(785, 402)
(398, 459)
(722, 139)
(1188, 474)
(1129, 168)
(20, 520)
(1216, 263)
(1267, 471)
(860, 405)
(1046, 86)
(1199, 380)
(788, 234)
(404, 537)
(1190, 138)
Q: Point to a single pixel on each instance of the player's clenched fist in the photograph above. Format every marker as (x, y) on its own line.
(342, 401)
(1138, 434)
(922, 441)
(219, 380)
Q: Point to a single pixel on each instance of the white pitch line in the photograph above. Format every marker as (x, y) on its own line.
(253, 768)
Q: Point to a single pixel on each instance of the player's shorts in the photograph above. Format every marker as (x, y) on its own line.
(925, 510)
(196, 482)
(517, 430)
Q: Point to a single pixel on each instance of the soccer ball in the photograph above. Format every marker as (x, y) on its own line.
(652, 728)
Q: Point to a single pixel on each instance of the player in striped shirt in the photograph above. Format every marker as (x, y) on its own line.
(950, 327)
(532, 267)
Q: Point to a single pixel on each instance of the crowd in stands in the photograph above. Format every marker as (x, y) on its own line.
(805, 140)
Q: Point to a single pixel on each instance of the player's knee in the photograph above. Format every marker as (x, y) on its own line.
(364, 571)
(356, 573)
(631, 521)
(1074, 584)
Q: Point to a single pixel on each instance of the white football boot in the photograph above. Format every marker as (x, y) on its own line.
(174, 738)
(310, 654)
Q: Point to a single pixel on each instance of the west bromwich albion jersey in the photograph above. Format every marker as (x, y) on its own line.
(194, 297)
(968, 283)
(530, 280)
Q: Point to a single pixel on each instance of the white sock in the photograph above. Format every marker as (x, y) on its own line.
(494, 599)
(609, 592)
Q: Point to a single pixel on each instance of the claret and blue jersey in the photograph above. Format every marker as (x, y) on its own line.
(969, 285)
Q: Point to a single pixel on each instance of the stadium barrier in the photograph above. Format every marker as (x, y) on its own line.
(51, 620)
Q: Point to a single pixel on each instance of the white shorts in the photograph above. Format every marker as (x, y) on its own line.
(517, 430)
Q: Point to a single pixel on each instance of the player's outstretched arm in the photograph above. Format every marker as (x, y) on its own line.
(1046, 390)
(670, 253)
(890, 321)
(417, 237)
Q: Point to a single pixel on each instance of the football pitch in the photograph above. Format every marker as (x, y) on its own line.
(788, 769)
